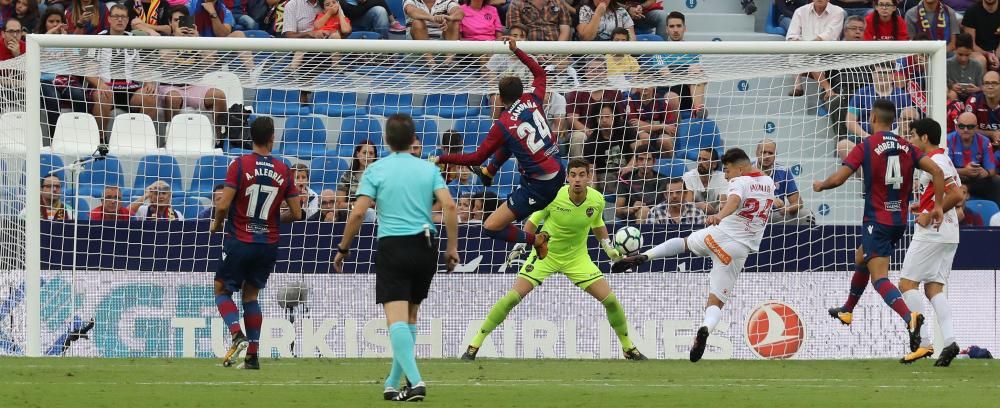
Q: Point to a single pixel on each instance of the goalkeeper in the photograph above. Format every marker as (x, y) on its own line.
(575, 209)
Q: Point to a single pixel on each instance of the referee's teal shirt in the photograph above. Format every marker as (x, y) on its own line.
(403, 188)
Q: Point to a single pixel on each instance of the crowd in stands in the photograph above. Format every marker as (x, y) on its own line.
(626, 131)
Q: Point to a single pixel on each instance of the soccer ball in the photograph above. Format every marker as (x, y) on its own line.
(628, 240)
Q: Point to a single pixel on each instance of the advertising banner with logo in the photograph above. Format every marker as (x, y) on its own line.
(166, 314)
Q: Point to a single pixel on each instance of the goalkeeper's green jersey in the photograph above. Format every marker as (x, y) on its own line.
(569, 224)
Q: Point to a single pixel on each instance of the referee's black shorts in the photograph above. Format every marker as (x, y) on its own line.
(404, 267)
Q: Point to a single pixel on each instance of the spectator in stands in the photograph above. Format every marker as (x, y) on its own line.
(883, 86)
(972, 155)
(639, 186)
(936, 20)
(149, 16)
(6, 10)
(480, 21)
(327, 207)
(599, 18)
(986, 106)
(885, 23)
(347, 187)
(689, 98)
(174, 97)
(88, 17)
(966, 217)
(213, 19)
(63, 88)
(433, 19)
(51, 201)
(209, 212)
(786, 10)
(53, 21)
(501, 65)
(608, 147)
(155, 204)
(26, 11)
(982, 22)
(845, 82)
(417, 149)
(243, 11)
(465, 208)
(673, 209)
(546, 20)
(300, 17)
(819, 21)
(858, 8)
(650, 15)
(965, 74)
(309, 197)
(332, 21)
(369, 15)
(13, 39)
(653, 116)
(582, 107)
(621, 67)
(125, 93)
(788, 207)
(111, 208)
(854, 29)
(706, 184)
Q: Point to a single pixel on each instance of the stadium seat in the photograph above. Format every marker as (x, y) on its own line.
(257, 34)
(450, 106)
(228, 82)
(325, 171)
(12, 133)
(648, 37)
(355, 129)
(337, 104)
(279, 102)
(364, 35)
(76, 134)
(385, 104)
(474, 129)
(507, 179)
(304, 137)
(133, 134)
(188, 206)
(191, 134)
(695, 134)
(671, 168)
(984, 208)
(52, 164)
(771, 23)
(208, 171)
(82, 207)
(158, 167)
(427, 132)
(100, 173)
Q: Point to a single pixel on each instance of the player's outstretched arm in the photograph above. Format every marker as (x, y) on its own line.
(837, 179)
(493, 142)
(354, 220)
(538, 80)
(450, 226)
(222, 208)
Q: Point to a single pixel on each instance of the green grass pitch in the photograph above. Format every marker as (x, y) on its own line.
(300, 383)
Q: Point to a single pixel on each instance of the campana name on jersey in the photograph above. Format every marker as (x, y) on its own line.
(520, 106)
(890, 143)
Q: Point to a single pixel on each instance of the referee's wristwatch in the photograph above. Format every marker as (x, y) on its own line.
(343, 251)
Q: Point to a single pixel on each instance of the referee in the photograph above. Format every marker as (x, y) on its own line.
(404, 187)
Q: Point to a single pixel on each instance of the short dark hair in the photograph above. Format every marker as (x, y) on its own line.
(885, 110)
(578, 162)
(117, 6)
(517, 27)
(715, 157)
(678, 15)
(927, 127)
(217, 187)
(178, 9)
(51, 11)
(963, 40)
(511, 88)
(451, 139)
(262, 131)
(621, 31)
(399, 132)
(734, 155)
(12, 18)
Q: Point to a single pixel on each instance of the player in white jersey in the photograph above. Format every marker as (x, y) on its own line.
(731, 235)
(932, 250)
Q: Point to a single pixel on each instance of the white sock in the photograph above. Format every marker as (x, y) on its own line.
(915, 302)
(673, 247)
(712, 316)
(943, 313)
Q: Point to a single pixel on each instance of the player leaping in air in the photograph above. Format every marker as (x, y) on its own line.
(730, 237)
(521, 132)
(887, 163)
(576, 211)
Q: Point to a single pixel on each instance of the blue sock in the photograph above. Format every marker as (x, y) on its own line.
(393, 380)
(403, 350)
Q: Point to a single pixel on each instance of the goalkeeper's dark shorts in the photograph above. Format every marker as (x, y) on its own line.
(404, 267)
(243, 262)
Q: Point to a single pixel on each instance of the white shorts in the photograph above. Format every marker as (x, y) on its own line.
(728, 257)
(928, 261)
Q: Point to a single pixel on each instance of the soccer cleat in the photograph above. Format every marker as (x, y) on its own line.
(919, 353)
(251, 363)
(484, 177)
(629, 262)
(470, 353)
(389, 394)
(541, 244)
(838, 313)
(916, 322)
(240, 343)
(700, 341)
(949, 353)
(634, 354)
(416, 393)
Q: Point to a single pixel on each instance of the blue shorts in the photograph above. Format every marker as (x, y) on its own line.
(534, 195)
(880, 240)
(243, 262)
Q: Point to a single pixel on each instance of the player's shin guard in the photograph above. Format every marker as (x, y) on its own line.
(403, 351)
(616, 317)
(511, 234)
(916, 304)
(942, 311)
(892, 297)
(496, 316)
(713, 314)
(859, 281)
(672, 247)
(230, 314)
(254, 320)
(392, 381)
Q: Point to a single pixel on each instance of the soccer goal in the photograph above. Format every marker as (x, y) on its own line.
(170, 113)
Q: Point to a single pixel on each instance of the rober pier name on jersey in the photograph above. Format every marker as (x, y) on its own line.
(890, 143)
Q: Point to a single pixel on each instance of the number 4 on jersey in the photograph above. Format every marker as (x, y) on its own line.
(893, 174)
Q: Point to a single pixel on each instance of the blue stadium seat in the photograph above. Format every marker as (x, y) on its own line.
(158, 167)
(450, 106)
(324, 172)
(474, 129)
(208, 171)
(82, 207)
(96, 175)
(364, 35)
(984, 208)
(188, 206)
(279, 102)
(671, 168)
(257, 34)
(772, 23)
(696, 134)
(507, 179)
(385, 104)
(355, 129)
(50, 164)
(648, 37)
(427, 132)
(304, 137)
(337, 104)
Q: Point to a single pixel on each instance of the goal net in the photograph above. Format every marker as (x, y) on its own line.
(118, 237)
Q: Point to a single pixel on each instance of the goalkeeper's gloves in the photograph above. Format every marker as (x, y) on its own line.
(610, 250)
